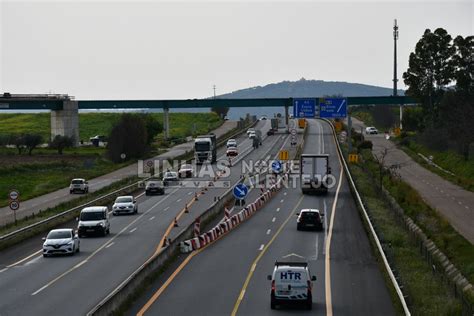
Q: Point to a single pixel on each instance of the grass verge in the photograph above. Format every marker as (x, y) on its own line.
(427, 294)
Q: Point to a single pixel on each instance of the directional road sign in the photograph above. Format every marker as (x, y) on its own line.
(304, 108)
(333, 108)
(240, 191)
(276, 166)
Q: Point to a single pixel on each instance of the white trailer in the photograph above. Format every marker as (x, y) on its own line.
(314, 171)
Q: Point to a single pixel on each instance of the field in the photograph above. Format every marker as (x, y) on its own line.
(46, 171)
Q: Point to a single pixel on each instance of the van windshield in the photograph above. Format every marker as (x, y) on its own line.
(76, 181)
(92, 216)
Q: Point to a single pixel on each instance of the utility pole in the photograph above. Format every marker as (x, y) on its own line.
(214, 87)
(395, 80)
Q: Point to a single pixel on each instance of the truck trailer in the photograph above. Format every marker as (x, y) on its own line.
(314, 171)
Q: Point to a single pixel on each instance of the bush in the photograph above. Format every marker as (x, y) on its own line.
(366, 144)
(61, 142)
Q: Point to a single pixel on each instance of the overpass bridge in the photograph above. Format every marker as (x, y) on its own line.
(65, 119)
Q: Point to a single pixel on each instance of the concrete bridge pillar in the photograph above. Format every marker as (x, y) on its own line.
(65, 122)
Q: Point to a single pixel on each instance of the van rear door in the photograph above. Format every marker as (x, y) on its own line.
(291, 283)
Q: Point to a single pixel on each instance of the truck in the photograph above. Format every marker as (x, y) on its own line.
(256, 138)
(205, 149)
(314, 171)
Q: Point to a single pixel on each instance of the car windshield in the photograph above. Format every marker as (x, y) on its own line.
(124, 200)
(201, 146)
(76, 181)
(62, 234)
(92, 216)
(186, 167)
(170, 175)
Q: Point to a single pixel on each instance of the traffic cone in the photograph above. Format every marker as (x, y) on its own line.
(165, 242)
(175, 222)
(195, 196)
(186, 208)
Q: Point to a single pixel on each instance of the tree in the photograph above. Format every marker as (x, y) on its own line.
(383, 116)
(457, 110)
(60, 143)
(31, 141)
(413, 119)
(430, 70)
(221, 111)
(464, 64)
(19, 142)
(129, 137)
(153, 127)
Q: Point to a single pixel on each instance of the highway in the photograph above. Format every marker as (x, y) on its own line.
(229, 276)
(33, 285)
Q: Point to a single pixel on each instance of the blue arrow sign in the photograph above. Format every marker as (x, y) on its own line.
(333, 108)
(240, 191)
(304, 108)
(276, 166)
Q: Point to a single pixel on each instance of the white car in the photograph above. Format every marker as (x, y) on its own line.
(231, 143)
(79, 185)
(61, 241)
(263, 118)
(252, 134)
(93, 220)
(232, 152)
(186, 171)
(371, 130)
(250, 130)
(170, 177)
(125, 205)
(291, 283)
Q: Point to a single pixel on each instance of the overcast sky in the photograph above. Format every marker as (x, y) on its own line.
(162, 50)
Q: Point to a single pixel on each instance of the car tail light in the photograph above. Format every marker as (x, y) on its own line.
(309, 286)
(273, 286)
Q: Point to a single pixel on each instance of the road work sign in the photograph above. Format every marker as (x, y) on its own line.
(283, 155)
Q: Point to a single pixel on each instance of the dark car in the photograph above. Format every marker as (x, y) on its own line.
(154, 187)
(309, 218)
(271, 132)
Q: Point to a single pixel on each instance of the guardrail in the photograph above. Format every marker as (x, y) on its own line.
(369, 223)
(44, 224)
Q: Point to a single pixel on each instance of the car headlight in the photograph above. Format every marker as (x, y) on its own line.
(100, 224)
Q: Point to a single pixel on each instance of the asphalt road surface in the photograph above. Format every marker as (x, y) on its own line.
(33, 285)
(450, 200)
(54, 198)
(230, 276)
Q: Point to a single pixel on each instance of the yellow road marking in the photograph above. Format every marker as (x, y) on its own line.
(254, 264)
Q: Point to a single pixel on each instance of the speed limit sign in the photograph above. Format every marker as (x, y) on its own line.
(14, 205)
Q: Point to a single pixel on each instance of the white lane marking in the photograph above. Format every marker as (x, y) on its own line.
(273, 220)
(281, 200)
(317, 248)
(24, 259)
(166, 208)
(441, 191)
(261, 247)
(284, 193)
(278, 209)
(45, 286)
(189, 193)
(133, 230)
(109, 245)
(467, 207)
(269, 231)
(459, 202)
(152, 218)
(178, 200)
(33, 261)
(3, 270)
(104, 245)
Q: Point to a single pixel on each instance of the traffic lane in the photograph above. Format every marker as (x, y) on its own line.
(57, 287)
(290, 245)
(223, 265)
(358, 285)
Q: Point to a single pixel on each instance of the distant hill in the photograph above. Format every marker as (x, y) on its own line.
(309, 88)
(300, 88)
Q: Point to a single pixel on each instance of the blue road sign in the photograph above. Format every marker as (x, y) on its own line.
(304, 108)
(333, 108)
(276, 166)
(240, 191)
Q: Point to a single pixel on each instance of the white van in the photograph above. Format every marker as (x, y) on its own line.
(93, 220)
(291, 283)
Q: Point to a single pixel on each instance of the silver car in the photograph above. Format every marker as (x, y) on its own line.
(125, 205)
(61, 241)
